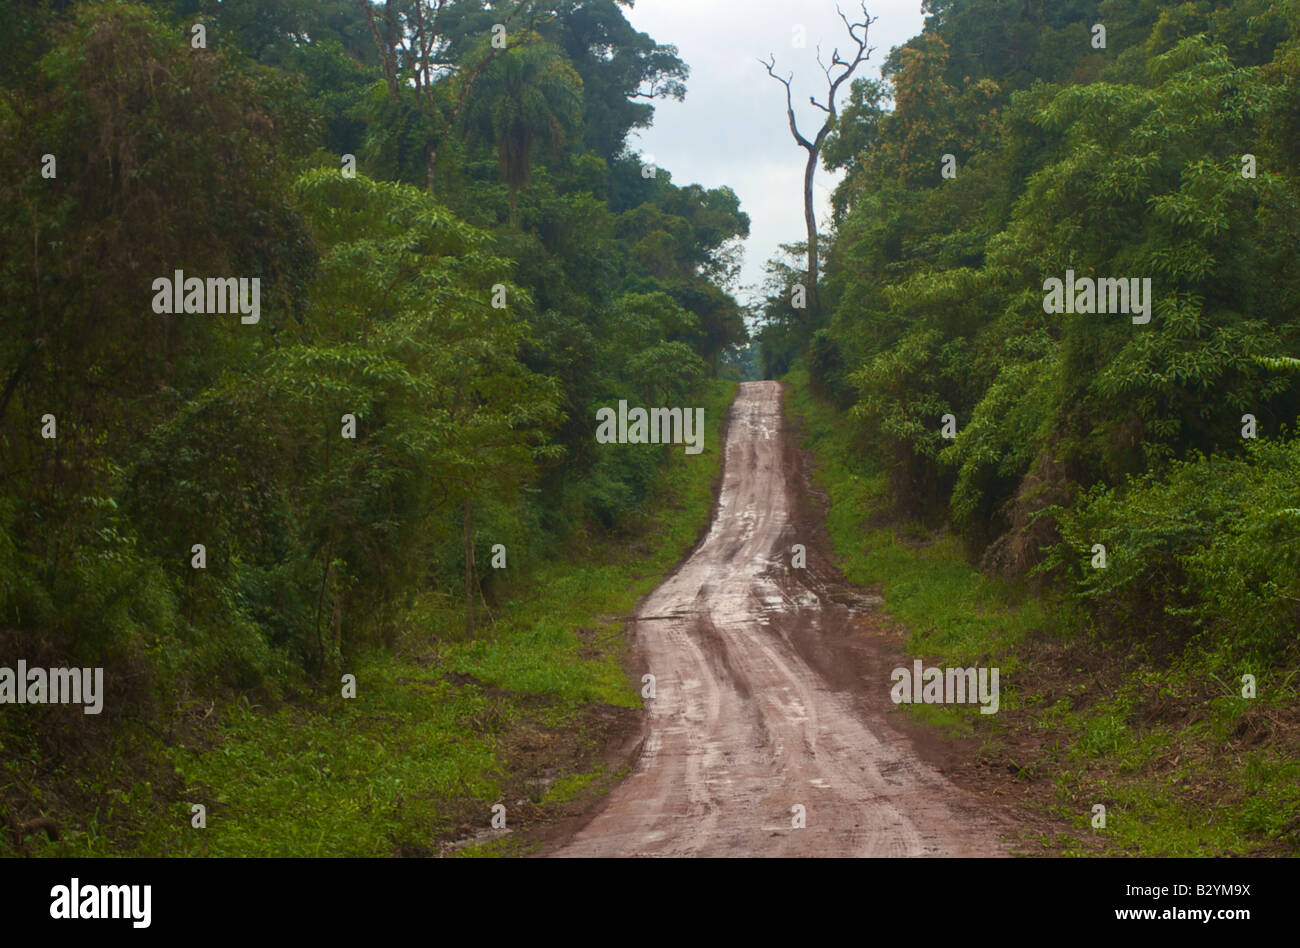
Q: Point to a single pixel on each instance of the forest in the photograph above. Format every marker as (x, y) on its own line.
(1051, 378)
(455, 259)
(320, 314)
(1003, 150)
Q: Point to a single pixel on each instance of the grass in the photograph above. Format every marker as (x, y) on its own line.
(1184, 765)
(441, 728)
(953, 613)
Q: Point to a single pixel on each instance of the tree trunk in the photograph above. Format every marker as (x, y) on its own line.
(814, 146)
(385, 51)
(514, 208)
(810, 221)
(469, 575)
(320, 602)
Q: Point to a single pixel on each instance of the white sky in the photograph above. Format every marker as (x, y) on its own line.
(732, 127)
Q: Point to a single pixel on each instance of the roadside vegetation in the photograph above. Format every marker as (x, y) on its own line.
(1156, 731)
(389, 470)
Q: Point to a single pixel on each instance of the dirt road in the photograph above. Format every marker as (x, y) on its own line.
(771, 693)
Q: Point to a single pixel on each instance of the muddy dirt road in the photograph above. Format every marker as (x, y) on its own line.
(772, 691)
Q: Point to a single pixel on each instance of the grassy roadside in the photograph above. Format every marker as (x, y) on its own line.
(440, 730)
(1182, 763)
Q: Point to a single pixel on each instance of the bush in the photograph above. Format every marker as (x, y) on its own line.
(1214, 546)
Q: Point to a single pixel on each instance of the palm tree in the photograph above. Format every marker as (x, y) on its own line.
(530, 94)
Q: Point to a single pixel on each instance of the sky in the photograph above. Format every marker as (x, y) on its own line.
(732, 128)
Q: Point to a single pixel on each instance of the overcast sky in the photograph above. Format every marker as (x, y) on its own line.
(732, 128)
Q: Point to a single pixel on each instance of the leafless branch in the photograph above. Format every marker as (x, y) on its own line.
(789, 105)
(837, 72)
(849, 66)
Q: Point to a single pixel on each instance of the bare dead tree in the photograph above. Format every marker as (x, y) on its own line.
(837, 72)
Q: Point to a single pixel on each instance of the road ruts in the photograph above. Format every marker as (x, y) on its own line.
(743, 726)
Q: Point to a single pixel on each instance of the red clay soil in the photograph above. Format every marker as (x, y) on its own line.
(772, 693)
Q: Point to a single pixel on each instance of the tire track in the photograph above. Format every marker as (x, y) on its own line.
(743, 727)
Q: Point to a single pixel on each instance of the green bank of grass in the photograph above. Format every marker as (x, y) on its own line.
(952, 611)
(1221, 779)
(1183, 764)
(438, 726)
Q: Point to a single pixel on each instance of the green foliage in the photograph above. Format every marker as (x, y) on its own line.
(1174, 764)
(1124, 163)
(1211, 544)
(529, 94)
(484, 176)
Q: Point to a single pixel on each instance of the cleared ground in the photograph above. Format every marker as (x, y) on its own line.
(771, 693)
